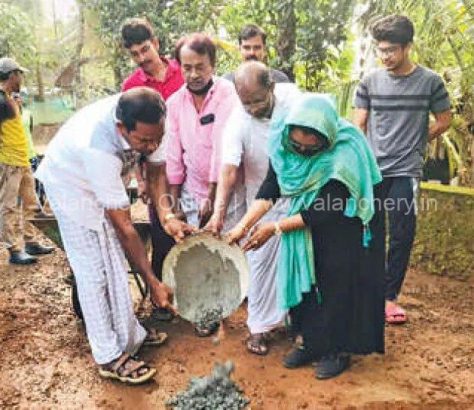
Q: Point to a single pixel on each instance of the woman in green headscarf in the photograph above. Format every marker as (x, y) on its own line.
(330, 273)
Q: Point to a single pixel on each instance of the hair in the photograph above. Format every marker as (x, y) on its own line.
(7, 111)
(140, 104)
(135, 31)
(395, 29)
(251, 72)
(198, 42)
(252, 30)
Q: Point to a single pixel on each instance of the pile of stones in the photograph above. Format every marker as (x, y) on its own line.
(214, 392)
(209, 317)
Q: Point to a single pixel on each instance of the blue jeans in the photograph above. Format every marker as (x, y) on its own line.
(399, 195)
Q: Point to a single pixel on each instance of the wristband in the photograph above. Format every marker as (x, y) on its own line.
(169, 216)
(278, 230)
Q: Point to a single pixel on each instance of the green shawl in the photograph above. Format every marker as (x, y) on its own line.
(348, 160)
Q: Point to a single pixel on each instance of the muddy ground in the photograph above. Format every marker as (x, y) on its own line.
(45, 361)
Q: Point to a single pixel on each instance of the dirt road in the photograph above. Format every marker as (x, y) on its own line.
(45, 361)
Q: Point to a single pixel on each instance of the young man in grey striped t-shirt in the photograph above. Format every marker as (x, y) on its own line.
(393, 106)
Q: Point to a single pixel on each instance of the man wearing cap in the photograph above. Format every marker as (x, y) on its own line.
(14, 168)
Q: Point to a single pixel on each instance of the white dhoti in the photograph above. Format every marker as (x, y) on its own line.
(263, 311)
(99, 265)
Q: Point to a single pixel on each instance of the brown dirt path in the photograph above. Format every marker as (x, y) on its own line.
(45, 361)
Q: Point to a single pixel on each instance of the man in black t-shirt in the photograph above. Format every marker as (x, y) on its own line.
(252, 46)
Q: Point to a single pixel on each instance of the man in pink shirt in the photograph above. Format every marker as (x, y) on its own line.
(197, 115)
(163, 75)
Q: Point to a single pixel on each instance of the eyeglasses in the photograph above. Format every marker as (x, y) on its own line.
(305, 149)
(387, 51)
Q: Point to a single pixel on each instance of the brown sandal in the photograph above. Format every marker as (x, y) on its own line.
(258, 344)
(127, 369)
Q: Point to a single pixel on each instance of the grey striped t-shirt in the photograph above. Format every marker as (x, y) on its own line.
(399, 108)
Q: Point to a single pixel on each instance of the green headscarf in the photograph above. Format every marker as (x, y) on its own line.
(348, 159)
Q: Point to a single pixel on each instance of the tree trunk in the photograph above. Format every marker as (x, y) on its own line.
(286, 42)
(117, 67)
(80, 44)
(39, 81)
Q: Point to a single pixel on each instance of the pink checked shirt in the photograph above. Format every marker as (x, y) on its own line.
(193, 149)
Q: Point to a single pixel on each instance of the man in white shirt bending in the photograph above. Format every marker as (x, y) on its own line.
(83, 173)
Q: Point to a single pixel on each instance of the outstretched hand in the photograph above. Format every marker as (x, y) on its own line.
(178, 229)
(259, 236)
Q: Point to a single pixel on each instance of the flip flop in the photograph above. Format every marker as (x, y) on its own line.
(395, 315)
(155, 338)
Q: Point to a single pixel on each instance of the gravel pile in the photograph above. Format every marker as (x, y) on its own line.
(210, 316)
(214, 392)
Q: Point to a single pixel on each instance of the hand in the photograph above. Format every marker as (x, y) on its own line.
(236, 234)
(178, 229)
(181, 216)
(259, 235)
(215, 225)
(205, 212)
(162, 296)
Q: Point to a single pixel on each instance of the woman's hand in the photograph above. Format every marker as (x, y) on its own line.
(236, 234)
(259, 235)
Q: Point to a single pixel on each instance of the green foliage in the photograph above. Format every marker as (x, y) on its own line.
(443, 243)
(305, 37)
(16, 35)
(321, 36)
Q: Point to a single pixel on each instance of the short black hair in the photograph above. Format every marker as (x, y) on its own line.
(252, 30)
(135, 31)
(140, 104)
(198, 42)
(395, 29)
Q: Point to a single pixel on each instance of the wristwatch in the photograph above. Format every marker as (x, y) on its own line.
(278, 230)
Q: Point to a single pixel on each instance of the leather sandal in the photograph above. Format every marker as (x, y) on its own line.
(127, 369)
(257, 343)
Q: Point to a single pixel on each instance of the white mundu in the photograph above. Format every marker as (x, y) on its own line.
(246, 141)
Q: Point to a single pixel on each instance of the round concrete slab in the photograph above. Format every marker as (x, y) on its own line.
(206, 275)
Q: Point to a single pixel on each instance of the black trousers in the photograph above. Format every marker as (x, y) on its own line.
(161, 242)
(399, 201)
